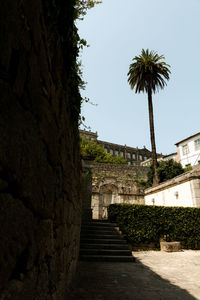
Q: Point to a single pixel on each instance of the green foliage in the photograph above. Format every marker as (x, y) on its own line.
(147, 72)
(82, 6)
(150, 176)
(145, 224)
(63, 39)
(63, 33)
(188, 168)
(144, 184)
(93, 151)
(166, 169)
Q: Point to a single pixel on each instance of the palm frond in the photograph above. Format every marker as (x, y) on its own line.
(148, 71)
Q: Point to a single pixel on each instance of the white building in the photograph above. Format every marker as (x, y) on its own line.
(189, 150)
(148, 162)
(173, 156)
(183, 190)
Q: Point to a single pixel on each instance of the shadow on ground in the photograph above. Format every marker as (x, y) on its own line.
(122, 281)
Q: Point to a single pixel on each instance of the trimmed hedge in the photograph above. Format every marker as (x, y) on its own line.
(145, 224)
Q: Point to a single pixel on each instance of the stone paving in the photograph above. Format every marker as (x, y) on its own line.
(155, 275)
(180, 268)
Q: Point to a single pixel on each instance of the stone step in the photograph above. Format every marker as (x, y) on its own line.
(99, 224)
(98, 229)
(105, 252)
(107, 258)
(105, 246)
(102, 241)
(101, 236)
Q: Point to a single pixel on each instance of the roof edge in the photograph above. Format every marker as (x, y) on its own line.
(187, 138)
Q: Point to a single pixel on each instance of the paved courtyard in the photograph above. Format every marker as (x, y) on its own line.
(155, 275)
(179, 268)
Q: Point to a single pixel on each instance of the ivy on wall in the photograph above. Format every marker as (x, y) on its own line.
(61, 20)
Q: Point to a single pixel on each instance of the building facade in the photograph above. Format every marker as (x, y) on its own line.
(134, 156)
(189, 150)
(89, 135)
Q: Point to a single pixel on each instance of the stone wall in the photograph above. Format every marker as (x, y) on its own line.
(40, 207)
(182, 190)
(86, 192)
(122, 170)
(115, 183)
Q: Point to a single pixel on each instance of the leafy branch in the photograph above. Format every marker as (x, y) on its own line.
(82, 7)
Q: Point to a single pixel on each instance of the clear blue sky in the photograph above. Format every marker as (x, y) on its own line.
(116, 31)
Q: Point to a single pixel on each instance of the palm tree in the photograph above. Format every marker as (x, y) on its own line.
(147, 74)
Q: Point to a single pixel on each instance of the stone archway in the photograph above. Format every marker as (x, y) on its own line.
(107, 196)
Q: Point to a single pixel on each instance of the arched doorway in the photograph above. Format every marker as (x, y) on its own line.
(108, 194)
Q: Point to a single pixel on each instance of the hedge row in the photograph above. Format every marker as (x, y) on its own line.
(145, 224)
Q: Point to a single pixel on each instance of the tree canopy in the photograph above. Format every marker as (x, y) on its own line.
(93, 151)
(167, 169)
(148, 72)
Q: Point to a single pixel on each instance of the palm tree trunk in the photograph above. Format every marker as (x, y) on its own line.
(153, 144)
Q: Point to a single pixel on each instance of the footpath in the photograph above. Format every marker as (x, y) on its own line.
(155, 275)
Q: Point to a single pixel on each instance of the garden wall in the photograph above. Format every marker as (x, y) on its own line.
(40, 207)
(182, 190)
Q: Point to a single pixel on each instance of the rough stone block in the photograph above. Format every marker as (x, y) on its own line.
(170, 246)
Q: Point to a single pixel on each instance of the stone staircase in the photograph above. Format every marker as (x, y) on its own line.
(101, 241)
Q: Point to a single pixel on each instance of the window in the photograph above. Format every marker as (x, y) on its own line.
(133, 155)
(129, 163)
(140, 157)
(197, 144)
(121, 154)
(128, 155)
(185, 149)
(106, 149)
(116, 152)
(111, 151)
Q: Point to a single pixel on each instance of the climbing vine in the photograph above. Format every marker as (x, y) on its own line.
(61, 21)
(81, 8)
